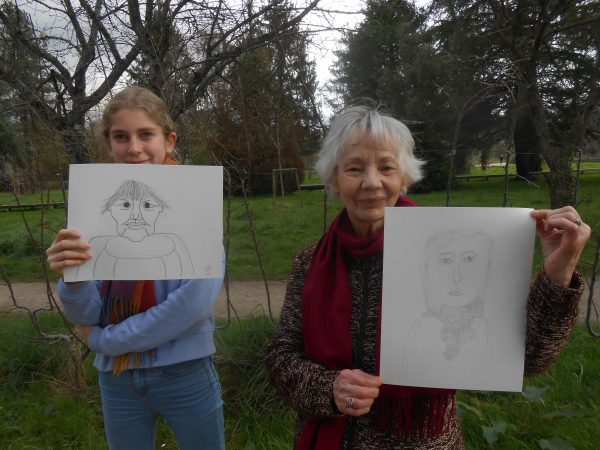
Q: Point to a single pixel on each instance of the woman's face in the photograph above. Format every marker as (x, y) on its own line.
(457, 273)
(135, 138)
(135, 219)
(367, 179)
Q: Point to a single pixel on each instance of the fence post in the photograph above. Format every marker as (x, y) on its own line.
(591, 287)
(576, 193)
(324, 208)
(256, 247)
(505, 199)
(227, 242)
(450, 176)
(274, 186)
(299, 188)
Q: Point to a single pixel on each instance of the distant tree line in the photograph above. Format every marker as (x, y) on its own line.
(468, 74)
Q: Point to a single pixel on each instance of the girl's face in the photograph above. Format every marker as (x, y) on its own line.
(135, 138)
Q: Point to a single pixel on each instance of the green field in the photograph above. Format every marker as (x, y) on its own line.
(281, 226)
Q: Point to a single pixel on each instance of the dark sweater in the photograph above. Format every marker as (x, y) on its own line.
(308, 386)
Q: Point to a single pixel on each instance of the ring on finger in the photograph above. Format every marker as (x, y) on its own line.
(577, 222)
(349, 402)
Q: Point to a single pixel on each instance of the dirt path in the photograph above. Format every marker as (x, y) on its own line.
(247, 297)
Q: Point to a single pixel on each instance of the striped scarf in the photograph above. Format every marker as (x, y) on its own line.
(123, 299)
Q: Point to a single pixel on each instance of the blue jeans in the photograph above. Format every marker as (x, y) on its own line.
(187, 395)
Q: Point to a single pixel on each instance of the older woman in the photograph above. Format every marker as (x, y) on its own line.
(323, 356)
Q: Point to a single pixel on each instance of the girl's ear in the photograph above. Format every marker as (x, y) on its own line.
(171, 141)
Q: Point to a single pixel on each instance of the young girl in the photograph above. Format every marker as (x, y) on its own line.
(153, 339)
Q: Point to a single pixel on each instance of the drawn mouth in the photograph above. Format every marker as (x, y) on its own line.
(136, 225)
(456, 293)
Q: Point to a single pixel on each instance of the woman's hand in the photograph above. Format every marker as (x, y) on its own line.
(563, 236)
(354, 391)
(67, 250)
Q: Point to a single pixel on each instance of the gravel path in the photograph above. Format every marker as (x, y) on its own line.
(247, 297)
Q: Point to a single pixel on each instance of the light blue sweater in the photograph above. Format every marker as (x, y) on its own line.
(180, 327)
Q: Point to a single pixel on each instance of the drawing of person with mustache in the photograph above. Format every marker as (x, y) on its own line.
(137, 247)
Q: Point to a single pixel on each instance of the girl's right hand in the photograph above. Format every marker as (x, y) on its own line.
(67, 250)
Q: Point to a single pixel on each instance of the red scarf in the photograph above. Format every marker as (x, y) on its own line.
(326, 315)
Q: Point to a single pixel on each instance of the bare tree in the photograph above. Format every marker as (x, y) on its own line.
(87, 48)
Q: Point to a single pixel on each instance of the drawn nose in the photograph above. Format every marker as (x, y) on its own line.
(456, 273)
(135, 211)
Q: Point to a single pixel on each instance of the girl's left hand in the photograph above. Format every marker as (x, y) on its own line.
(563, 236)
(84, 331)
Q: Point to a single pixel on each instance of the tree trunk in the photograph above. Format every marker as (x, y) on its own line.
(560, 180)
(562, 187)
(73, 136)
(527, 157)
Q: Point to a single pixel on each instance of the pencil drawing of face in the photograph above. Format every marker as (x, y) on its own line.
(134, 208)
(456, 267)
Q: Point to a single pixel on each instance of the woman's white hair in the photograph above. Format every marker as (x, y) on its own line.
(352, 124)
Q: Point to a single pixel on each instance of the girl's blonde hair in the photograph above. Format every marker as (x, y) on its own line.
(138, 97)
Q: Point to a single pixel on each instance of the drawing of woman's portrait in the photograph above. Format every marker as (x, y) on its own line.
(136, 247)
(451, 334)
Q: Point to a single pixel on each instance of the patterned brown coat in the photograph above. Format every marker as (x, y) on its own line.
(308, 386)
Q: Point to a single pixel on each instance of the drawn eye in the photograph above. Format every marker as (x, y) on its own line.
(147, 205)
(445, 260)
(126, 204)
(469, 257)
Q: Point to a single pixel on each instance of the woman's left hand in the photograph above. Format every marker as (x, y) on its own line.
(563, 236)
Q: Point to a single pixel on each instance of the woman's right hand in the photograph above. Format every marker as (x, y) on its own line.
(67, 250)
(354, 391)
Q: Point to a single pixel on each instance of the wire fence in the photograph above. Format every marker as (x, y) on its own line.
(592, 314)
(50, 180)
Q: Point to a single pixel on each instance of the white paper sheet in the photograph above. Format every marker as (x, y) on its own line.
(147, 222)
(455, 288)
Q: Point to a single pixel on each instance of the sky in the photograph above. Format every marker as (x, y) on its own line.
(343, 15)
(329, 20)
(338, 15)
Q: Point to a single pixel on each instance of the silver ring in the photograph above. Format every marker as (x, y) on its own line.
(578, 222)
(349, 402)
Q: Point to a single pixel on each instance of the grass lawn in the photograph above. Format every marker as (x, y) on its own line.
(282, 226)
(40, 407)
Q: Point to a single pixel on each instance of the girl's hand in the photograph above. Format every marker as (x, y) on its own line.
(67, 250)
(354, 391)
(83, 331)
(563, 236)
